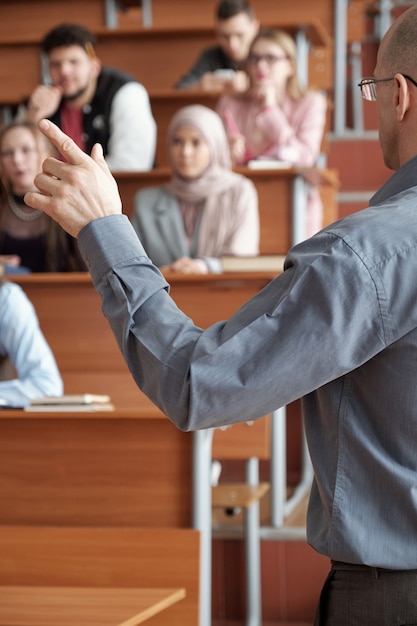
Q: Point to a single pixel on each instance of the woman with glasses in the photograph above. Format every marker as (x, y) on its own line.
(276, 118)
(29, 240)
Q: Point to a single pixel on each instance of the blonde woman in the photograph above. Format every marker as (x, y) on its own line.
(276, 118)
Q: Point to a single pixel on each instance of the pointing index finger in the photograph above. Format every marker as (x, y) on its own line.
(64, 144)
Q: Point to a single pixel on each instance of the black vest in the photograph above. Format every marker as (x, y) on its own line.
(97, 113)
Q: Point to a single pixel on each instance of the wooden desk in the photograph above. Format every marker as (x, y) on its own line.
(94, 469)
(127, 468)
(110, 558)
(278, 193)
(69, 311)
(80, 606)
(89, 468)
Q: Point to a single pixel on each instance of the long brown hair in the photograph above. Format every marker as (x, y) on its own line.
(58, 243)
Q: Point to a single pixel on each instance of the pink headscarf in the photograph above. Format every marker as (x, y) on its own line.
(217, 177)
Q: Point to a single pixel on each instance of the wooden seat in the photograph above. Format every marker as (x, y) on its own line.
(231, 496)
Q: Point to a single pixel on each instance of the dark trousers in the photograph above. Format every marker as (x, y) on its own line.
(357, 595)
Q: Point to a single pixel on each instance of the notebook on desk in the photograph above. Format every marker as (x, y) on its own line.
(71, 402)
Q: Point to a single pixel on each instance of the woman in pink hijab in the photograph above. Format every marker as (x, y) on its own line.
(205, 211)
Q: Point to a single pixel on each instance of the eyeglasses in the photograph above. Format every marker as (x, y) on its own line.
(368, 88)
(270, 59)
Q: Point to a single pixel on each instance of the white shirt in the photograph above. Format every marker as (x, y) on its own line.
(132, 142)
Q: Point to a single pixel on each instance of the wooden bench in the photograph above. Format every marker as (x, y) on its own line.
(91, 558)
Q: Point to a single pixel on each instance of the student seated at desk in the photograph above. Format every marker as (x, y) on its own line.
(94, 104)
(220, 67)
(205, 211)
(276, 118)
(23, 344)
(29, 240)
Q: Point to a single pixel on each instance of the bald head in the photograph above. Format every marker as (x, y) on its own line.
(396, 94)
(399, 47)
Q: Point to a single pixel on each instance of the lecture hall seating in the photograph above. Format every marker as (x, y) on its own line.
(186, 29)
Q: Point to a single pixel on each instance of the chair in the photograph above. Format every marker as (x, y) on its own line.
(268, 440)
(233, 497)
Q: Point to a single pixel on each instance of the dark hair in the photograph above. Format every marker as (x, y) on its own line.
(68, 35)
(229, 8)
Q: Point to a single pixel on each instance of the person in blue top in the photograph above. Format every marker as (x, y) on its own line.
(338, 328)
(22, 342)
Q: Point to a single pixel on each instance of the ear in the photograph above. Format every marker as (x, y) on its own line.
(402, 96)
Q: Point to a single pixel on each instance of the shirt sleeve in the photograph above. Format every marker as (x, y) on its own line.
(263, 357)
(21, 340)
(132, 141)
(298, 140)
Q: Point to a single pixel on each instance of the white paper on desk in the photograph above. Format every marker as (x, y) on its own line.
(68, 408)
(269, 164)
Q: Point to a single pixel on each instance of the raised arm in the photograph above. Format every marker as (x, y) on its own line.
(235, 370)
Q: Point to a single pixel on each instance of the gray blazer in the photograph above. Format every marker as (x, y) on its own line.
(158, 221)
(228, 225)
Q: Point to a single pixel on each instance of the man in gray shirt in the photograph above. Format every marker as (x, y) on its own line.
(338, 328)
(220, 67)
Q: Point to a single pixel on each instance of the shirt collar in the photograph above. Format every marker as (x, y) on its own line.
(404, 178)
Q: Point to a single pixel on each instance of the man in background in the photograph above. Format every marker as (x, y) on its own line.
(219, 67)
(92, 103)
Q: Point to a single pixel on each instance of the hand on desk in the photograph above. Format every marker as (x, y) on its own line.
(185, 265)
(76, 192)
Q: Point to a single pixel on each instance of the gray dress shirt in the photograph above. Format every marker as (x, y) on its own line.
(338, 328)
